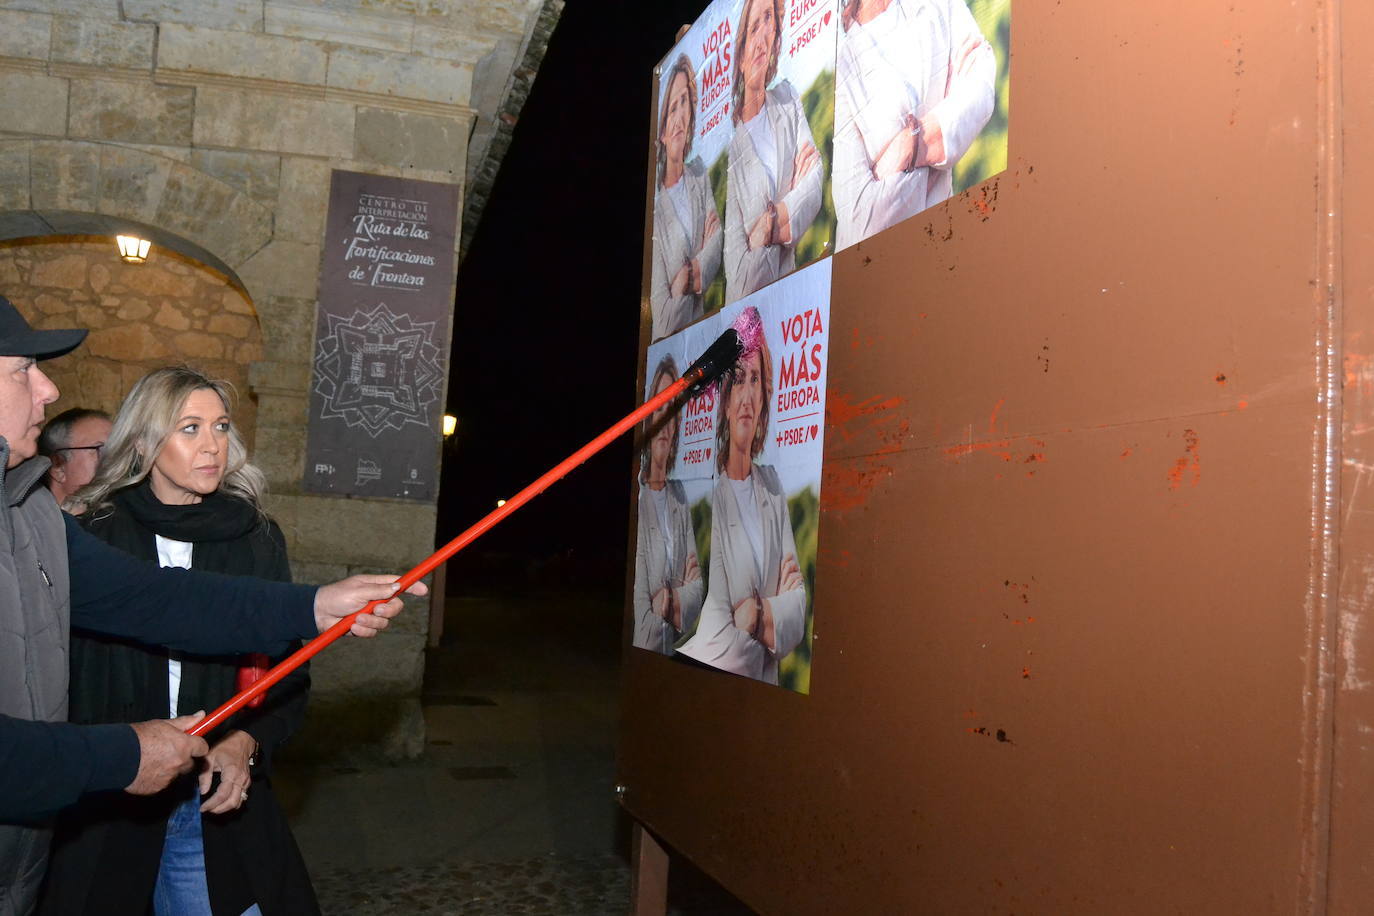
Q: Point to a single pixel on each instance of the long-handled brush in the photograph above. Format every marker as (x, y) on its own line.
(719, 357)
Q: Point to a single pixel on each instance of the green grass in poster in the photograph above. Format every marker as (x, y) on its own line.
(804, 510)
(701, 530)
(988, 154)
(794, 671)
(715, 293)
(819, 104)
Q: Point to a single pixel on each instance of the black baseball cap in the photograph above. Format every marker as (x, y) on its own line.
(18, 339)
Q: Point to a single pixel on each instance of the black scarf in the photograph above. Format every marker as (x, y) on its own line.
(118, 681)
(216, 519)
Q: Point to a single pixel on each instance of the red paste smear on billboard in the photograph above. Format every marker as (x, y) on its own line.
(1006, 449)
(847, 484)
(844, 488)
(840, 411)
(1191, 462)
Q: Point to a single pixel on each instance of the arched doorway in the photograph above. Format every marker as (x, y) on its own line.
(175, 308)
(187, 304)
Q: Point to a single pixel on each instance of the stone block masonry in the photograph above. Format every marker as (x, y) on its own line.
(142, 317)
(213, 127)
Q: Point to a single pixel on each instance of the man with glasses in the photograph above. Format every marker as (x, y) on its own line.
(72, 441)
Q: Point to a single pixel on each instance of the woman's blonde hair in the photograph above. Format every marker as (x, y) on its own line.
(146, 419)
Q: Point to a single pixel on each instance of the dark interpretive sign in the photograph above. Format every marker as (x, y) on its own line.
(381, 337)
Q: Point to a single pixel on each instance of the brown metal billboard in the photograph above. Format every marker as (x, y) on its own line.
(1094, 552)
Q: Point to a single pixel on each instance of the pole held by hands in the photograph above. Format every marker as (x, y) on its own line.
(717, 358)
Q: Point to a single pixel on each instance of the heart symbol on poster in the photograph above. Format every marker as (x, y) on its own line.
(708, 453)
(826, 20)
(814, 430)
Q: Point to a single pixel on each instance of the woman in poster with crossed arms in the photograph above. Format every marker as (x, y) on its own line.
(774, 189)
(914, 85)
(668, 586)
(687, 236)
(755, 609)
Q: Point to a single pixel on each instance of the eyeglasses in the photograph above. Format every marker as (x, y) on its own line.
(98, 449)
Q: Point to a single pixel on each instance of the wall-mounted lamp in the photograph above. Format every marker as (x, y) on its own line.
(450, 424)
(132, 249)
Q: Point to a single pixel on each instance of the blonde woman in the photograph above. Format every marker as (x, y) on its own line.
(667, 596)
(755, 608)
(175, 487)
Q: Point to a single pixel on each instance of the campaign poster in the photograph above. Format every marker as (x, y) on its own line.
(694, 129)
(669, 580)
(921, 107)
(381, 337)
(730, 484)
(778, 210)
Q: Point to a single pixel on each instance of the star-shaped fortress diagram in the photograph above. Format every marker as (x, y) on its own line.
(377, 371)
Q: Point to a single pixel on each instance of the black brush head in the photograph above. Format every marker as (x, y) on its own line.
(719, 357)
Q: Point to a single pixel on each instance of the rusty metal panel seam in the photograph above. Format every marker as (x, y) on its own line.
(1323, 597)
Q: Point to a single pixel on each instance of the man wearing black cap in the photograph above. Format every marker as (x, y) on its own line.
(54, 575)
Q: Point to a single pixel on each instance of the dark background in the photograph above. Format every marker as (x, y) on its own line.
(546, 326)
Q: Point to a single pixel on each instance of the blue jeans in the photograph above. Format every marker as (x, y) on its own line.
(181, 889)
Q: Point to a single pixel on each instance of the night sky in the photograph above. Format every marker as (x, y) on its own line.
(546, 326)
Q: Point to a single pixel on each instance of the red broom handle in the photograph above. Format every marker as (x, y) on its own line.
(314, 646)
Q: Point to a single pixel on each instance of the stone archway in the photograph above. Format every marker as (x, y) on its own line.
(199, 300)
(171, 310)
(73, 187)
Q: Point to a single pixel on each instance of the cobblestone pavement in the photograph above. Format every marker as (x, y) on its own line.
(546, 886)
(571, 886)
(511, 808)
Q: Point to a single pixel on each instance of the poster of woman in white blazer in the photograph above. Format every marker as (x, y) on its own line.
(755, 608)
(668, 583)
(687, 231)
(915, 85)
(776, 167)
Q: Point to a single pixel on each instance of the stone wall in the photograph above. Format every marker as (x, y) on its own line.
(212, 126)
(167, 311)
